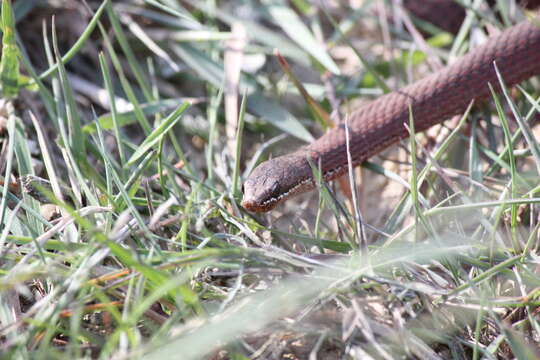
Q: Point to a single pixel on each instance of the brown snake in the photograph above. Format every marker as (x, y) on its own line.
(375, 126)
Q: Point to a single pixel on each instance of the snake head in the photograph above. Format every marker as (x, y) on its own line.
(276, 180)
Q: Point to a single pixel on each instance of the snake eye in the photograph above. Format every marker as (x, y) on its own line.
(243, 189)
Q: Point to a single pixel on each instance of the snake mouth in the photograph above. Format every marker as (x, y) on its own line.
(254, 206)
(252, 203)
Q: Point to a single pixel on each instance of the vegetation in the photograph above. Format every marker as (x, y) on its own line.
(127, 128)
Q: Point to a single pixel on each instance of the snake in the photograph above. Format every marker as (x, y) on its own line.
(371, 128)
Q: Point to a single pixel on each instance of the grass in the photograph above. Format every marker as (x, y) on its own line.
(121, 231)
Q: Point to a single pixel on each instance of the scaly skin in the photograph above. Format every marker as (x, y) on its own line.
(380, 123)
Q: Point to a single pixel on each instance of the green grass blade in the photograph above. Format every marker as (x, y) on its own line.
(79, 43)
(513, 169)
(9, 166)
(114, 115)
(9, 63)
(76, 140)
(239, 133)
(293, 26)
(267, 109)
(158, 133)
(213, 109)
(415, 192)
(127, 87)
(272, 39)
(126, 48)
(370, 69)
(525, 128)
(275, 114)
(129, 117)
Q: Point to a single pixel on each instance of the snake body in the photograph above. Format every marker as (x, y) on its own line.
(377, 125)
